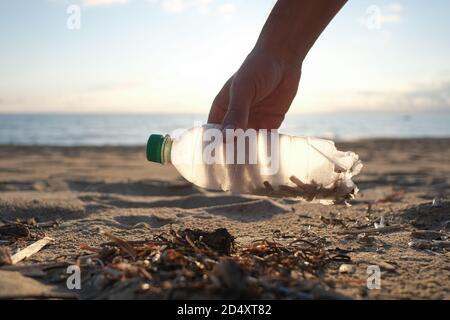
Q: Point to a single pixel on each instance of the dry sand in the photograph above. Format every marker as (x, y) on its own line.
(114, 189)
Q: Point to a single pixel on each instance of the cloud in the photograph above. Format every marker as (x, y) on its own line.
(419, 97)
(434, 96)
(96, 3)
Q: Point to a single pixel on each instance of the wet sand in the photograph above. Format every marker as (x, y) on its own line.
(114, 189)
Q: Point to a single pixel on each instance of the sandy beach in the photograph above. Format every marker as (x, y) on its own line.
(90, 190)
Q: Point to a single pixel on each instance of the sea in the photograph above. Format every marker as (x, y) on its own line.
(88, 129)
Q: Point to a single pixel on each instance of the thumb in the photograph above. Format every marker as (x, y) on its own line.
(238, 108)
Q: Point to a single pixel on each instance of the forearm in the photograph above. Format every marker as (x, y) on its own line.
(294, 26)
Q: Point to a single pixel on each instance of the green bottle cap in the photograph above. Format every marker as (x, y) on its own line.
(155, 148)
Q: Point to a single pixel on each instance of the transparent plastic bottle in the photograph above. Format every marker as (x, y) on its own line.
(270, 164)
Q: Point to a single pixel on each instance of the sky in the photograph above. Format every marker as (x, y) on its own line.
(175, 55)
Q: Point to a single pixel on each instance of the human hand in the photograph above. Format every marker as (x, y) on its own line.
(258, 95)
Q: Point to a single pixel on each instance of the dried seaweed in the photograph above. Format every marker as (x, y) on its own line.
(192, 263)
(309, 192)
(219, 240)
(28, 229)
(14, 231)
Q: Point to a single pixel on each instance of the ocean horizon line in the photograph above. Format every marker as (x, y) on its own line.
(291, 113)
(134, 129)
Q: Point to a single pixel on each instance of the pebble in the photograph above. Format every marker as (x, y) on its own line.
(347, 268)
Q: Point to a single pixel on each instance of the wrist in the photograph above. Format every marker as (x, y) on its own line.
(282, 53)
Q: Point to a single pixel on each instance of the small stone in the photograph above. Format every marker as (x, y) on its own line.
(437, 202)
(347, 268)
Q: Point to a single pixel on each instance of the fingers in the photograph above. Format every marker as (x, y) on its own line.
(238, 107)
(217, 112)
(258, 120)
(220, 104)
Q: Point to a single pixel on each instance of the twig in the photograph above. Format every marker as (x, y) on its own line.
(125, 246)
(30, 250)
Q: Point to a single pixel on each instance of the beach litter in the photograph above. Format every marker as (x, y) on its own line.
(30, 250)
(328, 181)
(196, 264)
(16, 233)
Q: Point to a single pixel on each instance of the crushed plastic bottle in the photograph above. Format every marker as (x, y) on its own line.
(259, 162)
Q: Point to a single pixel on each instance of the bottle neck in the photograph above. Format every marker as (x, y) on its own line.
(166, 150)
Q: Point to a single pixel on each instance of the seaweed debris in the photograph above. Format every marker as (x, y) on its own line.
(197, 264)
